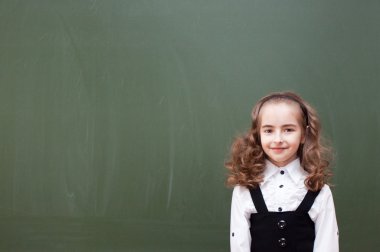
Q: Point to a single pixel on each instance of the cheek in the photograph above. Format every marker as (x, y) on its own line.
(263, 138)
(265, 142)
(298, 140)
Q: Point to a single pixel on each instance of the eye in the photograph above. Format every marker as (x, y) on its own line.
(288, 130)
(267, 131)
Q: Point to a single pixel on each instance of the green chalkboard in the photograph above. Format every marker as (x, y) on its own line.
(116, 116)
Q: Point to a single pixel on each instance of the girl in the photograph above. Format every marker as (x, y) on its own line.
(279, 171)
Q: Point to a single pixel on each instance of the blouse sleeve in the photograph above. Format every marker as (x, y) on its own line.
(326, 228)
(240, 237)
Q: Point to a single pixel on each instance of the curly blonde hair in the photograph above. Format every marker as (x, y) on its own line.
(247, 158)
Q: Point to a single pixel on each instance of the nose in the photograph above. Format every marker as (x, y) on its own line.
(278, 137)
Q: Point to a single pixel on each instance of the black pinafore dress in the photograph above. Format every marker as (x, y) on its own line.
(291, 231)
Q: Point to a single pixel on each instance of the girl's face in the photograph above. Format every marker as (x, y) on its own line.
(281, 131)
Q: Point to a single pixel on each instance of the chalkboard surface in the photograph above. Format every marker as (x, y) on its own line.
(116, 116)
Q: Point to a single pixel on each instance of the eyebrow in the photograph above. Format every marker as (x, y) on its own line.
(285, 125)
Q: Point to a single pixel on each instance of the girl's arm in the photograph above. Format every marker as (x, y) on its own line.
(326, 228)
(240, 237)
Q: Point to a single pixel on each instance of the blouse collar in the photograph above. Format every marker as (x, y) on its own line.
(294, 169)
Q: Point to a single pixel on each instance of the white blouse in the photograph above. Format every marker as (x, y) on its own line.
(284, 188)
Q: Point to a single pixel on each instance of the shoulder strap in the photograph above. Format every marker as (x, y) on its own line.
(308, 201)
(258, 200)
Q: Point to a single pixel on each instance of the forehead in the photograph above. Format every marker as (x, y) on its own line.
(280, 112)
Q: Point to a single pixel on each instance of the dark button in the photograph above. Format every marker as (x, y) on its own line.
(282, 242)
(280, 209)
(281, 224)
(282, 172)
(233, 234)
(281, 186)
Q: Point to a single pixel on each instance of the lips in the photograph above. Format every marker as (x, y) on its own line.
(278, 149)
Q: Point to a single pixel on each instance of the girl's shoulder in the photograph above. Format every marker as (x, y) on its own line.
(239, 190)
(326, 190)
(324, 202)
(241, 198)
(324, 195)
